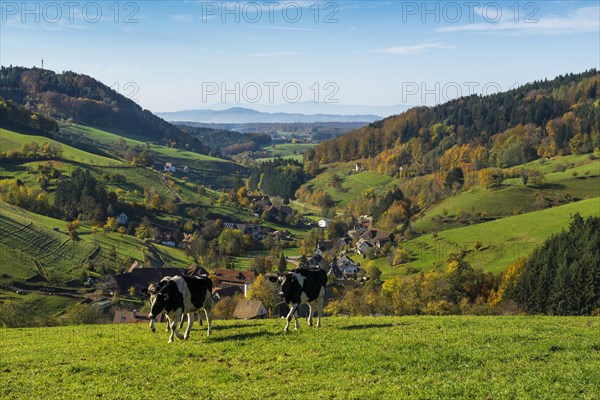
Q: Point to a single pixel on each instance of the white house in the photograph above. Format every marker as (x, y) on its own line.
(347, 266)
(122, 219)
(324, 223)
(169, 167)
(363, 245)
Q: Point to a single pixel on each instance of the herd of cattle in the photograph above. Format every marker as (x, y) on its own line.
(181, 296)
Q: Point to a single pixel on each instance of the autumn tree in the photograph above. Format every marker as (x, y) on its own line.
(265, 291)
(111, 224)
(231, 242)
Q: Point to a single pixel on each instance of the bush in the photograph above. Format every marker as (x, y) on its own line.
(560, 167)
(79, 313)
(12, 315)
(224, 308)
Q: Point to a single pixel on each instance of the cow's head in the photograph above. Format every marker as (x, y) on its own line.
(158, 298)
(284, 281)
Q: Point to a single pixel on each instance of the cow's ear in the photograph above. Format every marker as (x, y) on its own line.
(273, 279)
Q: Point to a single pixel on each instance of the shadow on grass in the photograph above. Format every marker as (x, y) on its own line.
(217, 328)
(366, 326)
(241, 336)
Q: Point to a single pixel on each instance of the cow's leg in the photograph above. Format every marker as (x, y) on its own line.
(190, 323)
(174, 322)
(208, 304)
(209, 317)
(289, 317)
(168, 323)
(172, 329)
(296, 324)
(320, 301)
(182, 319)
(310, 312)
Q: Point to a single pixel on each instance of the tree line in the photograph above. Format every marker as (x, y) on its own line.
(540, 119)
(280, 177)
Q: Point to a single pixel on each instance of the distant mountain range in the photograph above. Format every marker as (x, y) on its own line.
(238, 115)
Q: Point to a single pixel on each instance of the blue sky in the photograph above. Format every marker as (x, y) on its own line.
(185, 54)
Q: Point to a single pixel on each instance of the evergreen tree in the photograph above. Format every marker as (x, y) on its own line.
(282, 263)
(563, 276)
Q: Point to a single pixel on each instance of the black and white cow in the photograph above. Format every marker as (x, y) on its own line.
(177, 296)
(183, 316)
(299, 286)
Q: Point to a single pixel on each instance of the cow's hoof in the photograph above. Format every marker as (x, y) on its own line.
(186, 337)
(170, 341)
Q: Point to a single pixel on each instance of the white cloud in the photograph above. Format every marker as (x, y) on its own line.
(581, 20)
(413, 49)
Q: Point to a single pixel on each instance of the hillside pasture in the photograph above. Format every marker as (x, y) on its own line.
(348, 358)
(210, 171)
(30, 246)
(353, 183)
(291, 151)
(14, 140)
(581, 180)
(502, 241)
(28, 238)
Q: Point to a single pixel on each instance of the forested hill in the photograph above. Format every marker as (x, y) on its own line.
(226, 142)
(539, 119)
(14, 116)
(87, 101)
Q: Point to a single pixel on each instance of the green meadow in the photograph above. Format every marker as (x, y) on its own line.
(10, 140)
(502, 241)
(347, 358)
(292, 151)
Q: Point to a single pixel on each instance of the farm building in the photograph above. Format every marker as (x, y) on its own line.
(231, 277)
(169, 167)
(230, 291)
(250, 309)
(362, 246)
(324, 223)
(323, 246)
(374, 238)
(122, 219)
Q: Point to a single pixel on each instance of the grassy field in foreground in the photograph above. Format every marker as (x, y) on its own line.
(348, 358)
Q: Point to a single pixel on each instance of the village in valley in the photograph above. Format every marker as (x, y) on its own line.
(335, 256)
